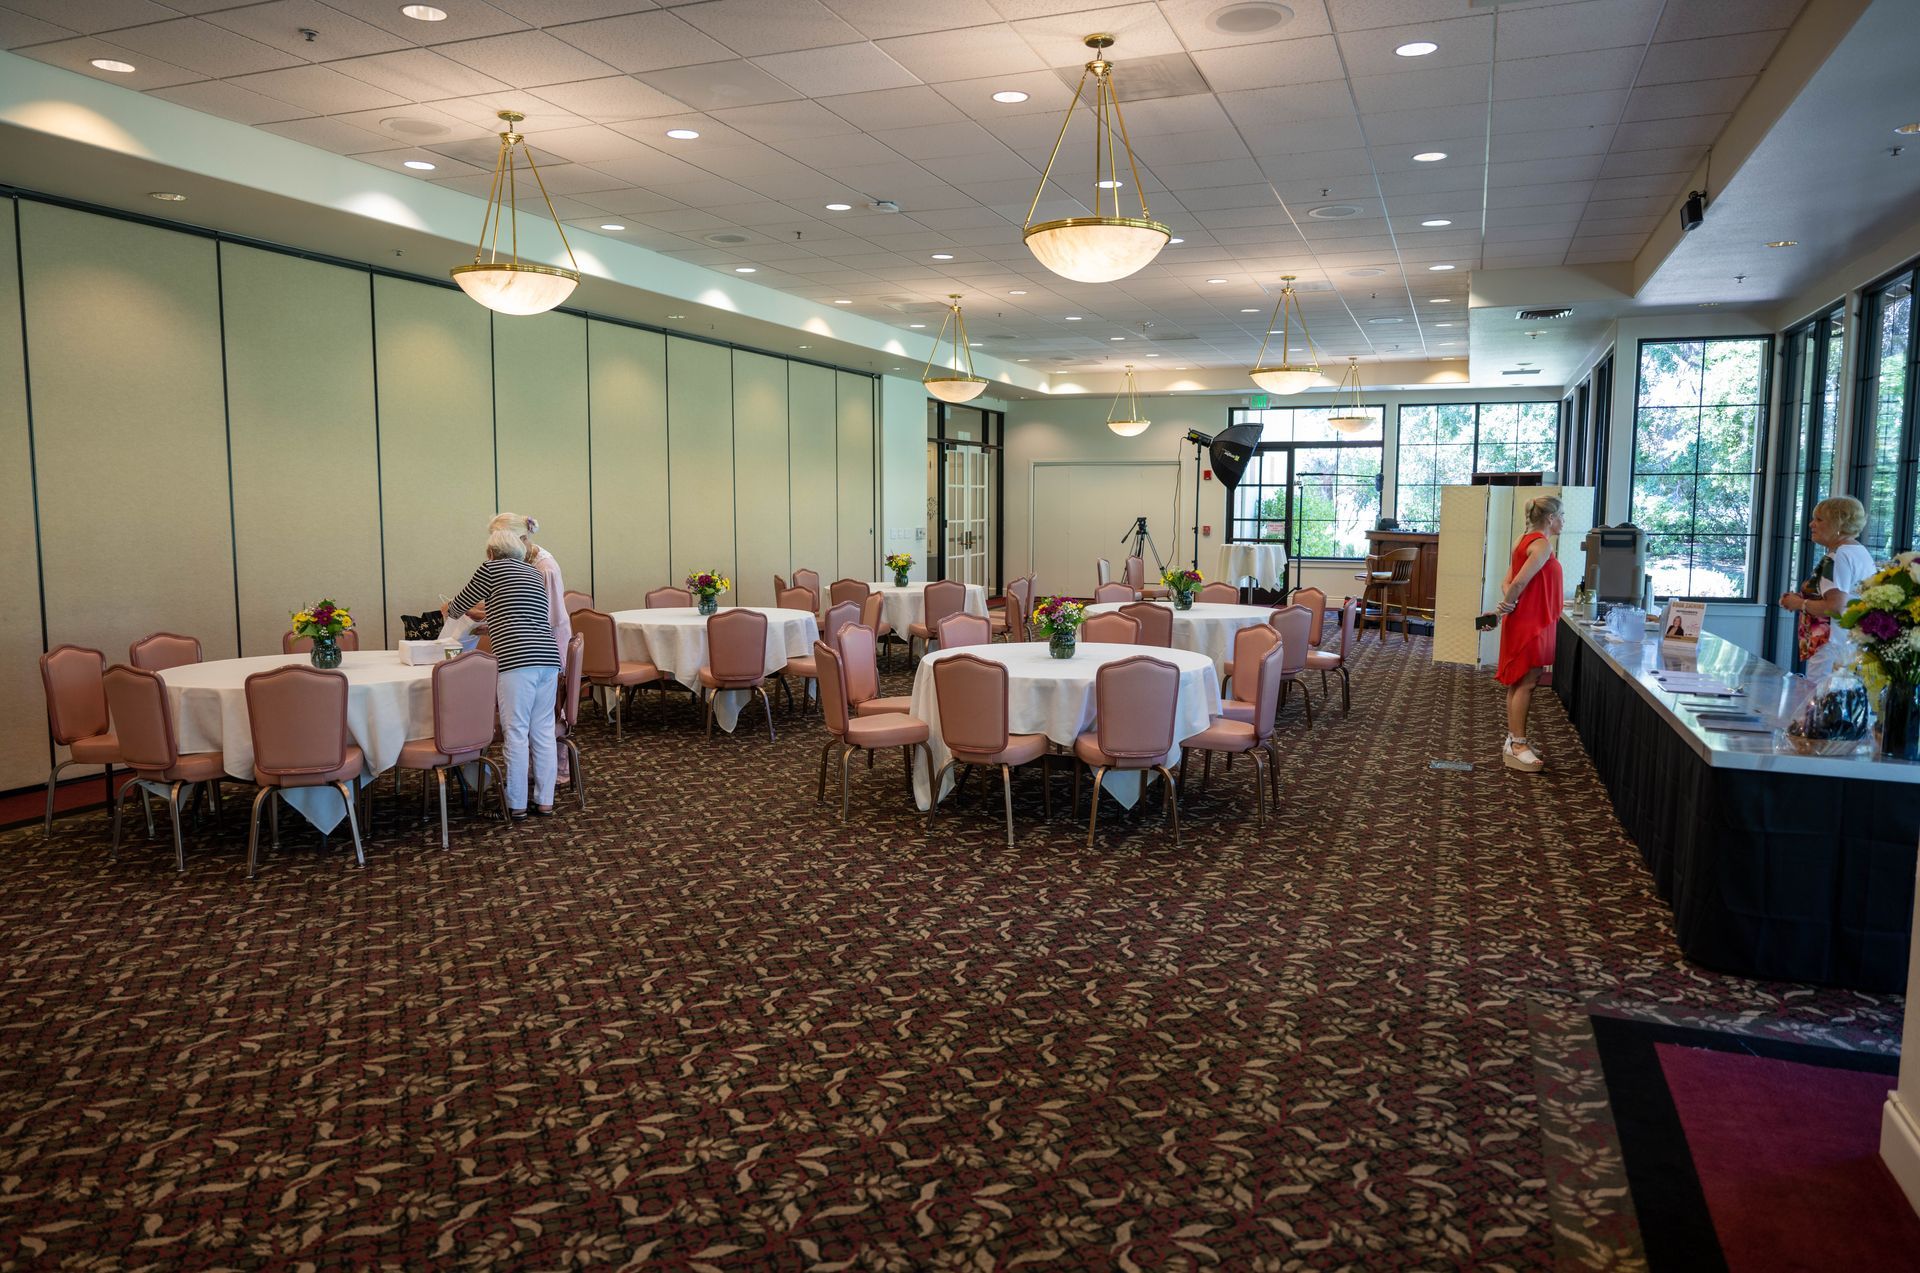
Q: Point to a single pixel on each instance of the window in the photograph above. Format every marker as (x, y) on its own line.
(1883, 467)
(1699, 412)
(1811, 402)
(1447, 443)
(1315, 489)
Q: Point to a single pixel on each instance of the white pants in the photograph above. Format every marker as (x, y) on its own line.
(526, 718)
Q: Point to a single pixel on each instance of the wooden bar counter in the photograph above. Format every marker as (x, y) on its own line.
(1426, 570)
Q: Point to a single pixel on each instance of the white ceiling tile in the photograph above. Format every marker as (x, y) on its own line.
(527, 59)
(653, 172)
(1551, 143)
(1534, 172)
(17, 29)
(591, 145)
(328, 134)
(1273, 109)
(644, 42)
(962, 54)
(840, 151)
(754, 27)
(97, 15)
(892, 108)
(1260, 65)
(1628, 207)
(201, 46)
(1646, 163)
(547, 12)
(483, 111)
(1575, 110)
(1660, 185)
(1190, 148)
(76, 55)
(1575, 193)
(1669, 101)
(878, 19)
(697, 195)
(229, 102)
(1247, 196)
(1465, 41)
(1544, 30)
(782, 123)
(719, 85)
(279, 23)
(1308, 134)
(1719, 57)
(394, 158)
(1421, 90)
(618, 97)
(1697, 130)
(410, 125)
(319, 89)
(839, 68)
(1593, 71)
(935, 140)
(419, 75)
(464, 21)
(1692, 21)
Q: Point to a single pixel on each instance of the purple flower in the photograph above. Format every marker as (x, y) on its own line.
(1879, 625)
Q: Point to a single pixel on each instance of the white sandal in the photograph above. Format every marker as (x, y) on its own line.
(1516, 754)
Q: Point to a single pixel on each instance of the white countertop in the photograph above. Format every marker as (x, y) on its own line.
(1766, 687)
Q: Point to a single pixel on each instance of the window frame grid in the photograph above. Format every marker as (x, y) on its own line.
(1810, 354)
(1761, 446)
(1243, 415)
(1473, 466)
(1866, 407)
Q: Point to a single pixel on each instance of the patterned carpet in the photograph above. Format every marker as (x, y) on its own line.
(704, 1026)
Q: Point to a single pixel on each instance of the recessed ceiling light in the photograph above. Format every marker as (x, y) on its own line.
(943, 256)
(1116, 338)
(676, 315)
(418, 165)
(1153, 355)
(839, 207)
(1173, 241)
(974, 344)
(167, 196)
(1436, 223)
(1073, 318)
(1443, 324)
(1366, 273)
(1784, 243)
(1249, 311)
(611, 225)
(1016, 293)
(423, 13)
(1439, 300)
(744, 269)
(1108, 184)
(1439, 268)
(806, 346)
(1430, 156)
(1023, 360)
(1709, 304)
(1009, 96)
(109, 64)
(1378, 322)
(1216, 280)
(916, 324)
(682, 134)
(1416, 48)
(1905, 130)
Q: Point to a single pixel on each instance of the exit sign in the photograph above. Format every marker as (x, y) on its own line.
(1257, 401)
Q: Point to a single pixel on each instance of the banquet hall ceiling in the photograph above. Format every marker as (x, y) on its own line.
(1272, 138)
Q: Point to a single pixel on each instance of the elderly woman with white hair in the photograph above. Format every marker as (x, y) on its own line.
(514, 595)
(559, 617)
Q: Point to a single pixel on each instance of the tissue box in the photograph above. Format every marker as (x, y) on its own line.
(417, 652)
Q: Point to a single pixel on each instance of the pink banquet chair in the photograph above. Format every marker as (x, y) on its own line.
(1315, 601)
(1324, 661)
(1112, 628)
(1136, 701)
(77, 714)
(573, 600)
(291, 644)
(1293, 623)
(1135, 577)
(736, 660)
(1113, 592)
(604, 669)
(1217, 593)
(150, 749)
(810, 580)
(161, 650)
(958, 630)
(943, 597)
(852, 733)
(298, 716)
(843, 615)
(973, 698)
(800, 667)
(1010, 616)
(860, 673)
(1250, 645)
(1248, 737)
(466, 692)
(1156, 622)
(669, 599)
(854, 590)
(566, 727)
(873, 611)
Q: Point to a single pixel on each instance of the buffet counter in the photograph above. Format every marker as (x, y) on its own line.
(1777, 865)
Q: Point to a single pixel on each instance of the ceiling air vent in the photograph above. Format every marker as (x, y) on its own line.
(1522, 371)
(1543, 315)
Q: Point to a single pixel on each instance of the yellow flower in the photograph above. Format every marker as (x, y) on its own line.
(346, 620)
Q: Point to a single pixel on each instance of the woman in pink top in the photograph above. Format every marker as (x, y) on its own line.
(543, 561)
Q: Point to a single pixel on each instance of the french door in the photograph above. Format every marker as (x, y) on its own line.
(964, 493)
(968, 512)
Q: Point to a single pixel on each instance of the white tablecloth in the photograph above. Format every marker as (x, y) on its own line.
(388, 702)
(903, 607)
(1055, 697)
(674, 640)
(1262, 562)
(1206, 629)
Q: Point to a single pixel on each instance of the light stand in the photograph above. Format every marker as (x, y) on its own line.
(1201, 441)
(1229, 451)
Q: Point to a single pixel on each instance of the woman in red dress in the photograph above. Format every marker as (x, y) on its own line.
(1532, 600)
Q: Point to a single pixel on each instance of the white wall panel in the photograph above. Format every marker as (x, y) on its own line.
(540, 434)
(23, 734)
(857, 558)
(700, 456)
(813, 459)
(306, 487)
(627, 374)
(760, 475)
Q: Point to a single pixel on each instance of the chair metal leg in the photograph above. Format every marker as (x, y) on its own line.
(933, 796)
(175, 794)
(1206, 770)
(846, 757)
(1046, 784)
(821, 795)
(53, 781)
(1006, 793)
(1093, 809)
(253, 831)
(1346, 693)
(579, 778)
(440, 774)
(353, 820)
(1173, 803)
(707, 698)
(119, 804)
(906, 758)
(1273, 770)
(1074, 812)
(1259, 787)
(1306, 701)
(273, 817)
(766, 701)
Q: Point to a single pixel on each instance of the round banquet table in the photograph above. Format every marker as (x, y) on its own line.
(1264, 562)
(1055, 697)
(904, 607)
(1206, 629)
(674, 639)
(388, 702)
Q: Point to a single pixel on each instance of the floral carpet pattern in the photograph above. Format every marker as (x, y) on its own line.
(702, 1025)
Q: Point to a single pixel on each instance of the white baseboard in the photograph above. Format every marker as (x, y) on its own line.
(1900, 1146)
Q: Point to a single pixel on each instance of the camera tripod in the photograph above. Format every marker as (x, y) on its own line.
(1141, 539)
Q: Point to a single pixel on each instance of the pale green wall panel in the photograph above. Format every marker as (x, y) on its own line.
(813, 428)
(627, 375)
(130, 431)
(700, 453)
(23, 717)
(540, 402)
(306, 485)
(857, 557)
(760, 475)
(436, 440)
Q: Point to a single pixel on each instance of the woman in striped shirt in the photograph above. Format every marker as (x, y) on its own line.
(520, 629)
(543, 561)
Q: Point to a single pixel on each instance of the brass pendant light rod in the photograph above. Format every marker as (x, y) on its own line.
(958, 384)
(509, 285)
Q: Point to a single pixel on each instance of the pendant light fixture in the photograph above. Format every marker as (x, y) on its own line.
(956, 385)
(1286, 376)
(1354, 418)
(1133, 424)
(1099, 248)
(509, 285)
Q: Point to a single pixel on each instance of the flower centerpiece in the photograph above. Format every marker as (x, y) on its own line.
(1884, 621)
(899, 564)
(706, 586)
(323, 623)
(1182, 584)
(1059, 619)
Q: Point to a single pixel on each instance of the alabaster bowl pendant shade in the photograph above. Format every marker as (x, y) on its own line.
(1354, 418)
(1131, 424)
(956, 383)
(503, 282)
(1112, 243)
(1285, 380)
(1286, 376)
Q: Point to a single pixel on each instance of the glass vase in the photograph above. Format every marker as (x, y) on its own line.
(1183, 601)
(899, 578)
(1900, 722)
(326, 653)
(709, 603)
(1060, 645)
